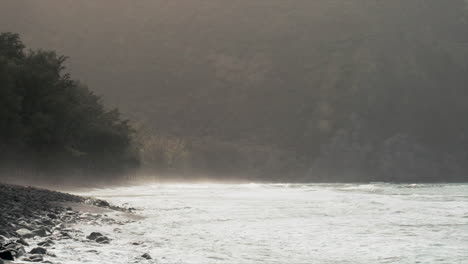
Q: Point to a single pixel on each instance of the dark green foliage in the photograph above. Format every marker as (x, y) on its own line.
(54, 123)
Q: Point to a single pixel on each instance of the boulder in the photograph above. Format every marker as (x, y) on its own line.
(7, 254)
(94, 235)
(38, 250)
(146, 256)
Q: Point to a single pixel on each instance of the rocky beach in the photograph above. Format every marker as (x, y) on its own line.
(33, 221)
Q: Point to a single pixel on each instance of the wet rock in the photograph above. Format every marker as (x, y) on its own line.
(39, 232)
(52, 216)
(20, 241)
(25, 233)
(146, 256)
(20, 251)
(15, 249)
(34, 258)
(103, 240)
(38, 250)
(3, 240)
(102, 203)
(23, 223)
(98, 237)
(46, 243)
(66, 235)
(60, 226)
(94, 235)
(7, 254)
(50, 254)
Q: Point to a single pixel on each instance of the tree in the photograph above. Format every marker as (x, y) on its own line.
(53, 121)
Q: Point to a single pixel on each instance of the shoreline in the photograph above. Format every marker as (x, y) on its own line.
(33, 220)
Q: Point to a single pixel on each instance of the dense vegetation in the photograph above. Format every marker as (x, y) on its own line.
(343, 90)
(53, 124)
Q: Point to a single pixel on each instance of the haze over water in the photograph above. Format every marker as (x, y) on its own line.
(288, 223)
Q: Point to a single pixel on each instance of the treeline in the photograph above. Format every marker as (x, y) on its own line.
(53, 125)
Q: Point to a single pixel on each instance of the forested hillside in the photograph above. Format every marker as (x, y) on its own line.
(323, 90)
(53, 127)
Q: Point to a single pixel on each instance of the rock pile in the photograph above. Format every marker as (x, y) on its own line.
(98, 237)
(27, 213)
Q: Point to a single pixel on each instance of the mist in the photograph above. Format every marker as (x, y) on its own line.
(242, 131)
(254, 91)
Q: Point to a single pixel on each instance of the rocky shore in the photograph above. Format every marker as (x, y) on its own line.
(33, 220)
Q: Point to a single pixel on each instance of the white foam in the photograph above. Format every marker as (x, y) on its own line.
(260, 223)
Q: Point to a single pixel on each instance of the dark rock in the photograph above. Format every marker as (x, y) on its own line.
(40, 232)
(46, 243)
(34, 258)
(17, 250)
(146, 256)
(52, 216)
(47, 222)
(102, 203)
(38, 250)
(102, 240)
(94, 235)
(7, 254)
(65, 234)
(20, 241)
(50, 254)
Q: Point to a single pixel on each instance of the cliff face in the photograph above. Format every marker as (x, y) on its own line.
(297, 76)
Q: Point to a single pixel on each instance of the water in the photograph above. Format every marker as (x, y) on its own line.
(284, 223)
